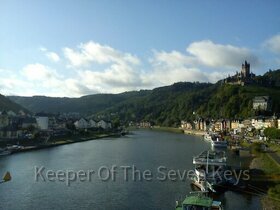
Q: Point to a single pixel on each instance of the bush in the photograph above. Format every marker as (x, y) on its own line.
(272, 133)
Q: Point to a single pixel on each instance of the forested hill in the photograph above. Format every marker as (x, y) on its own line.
(7, 105)
(167, 105)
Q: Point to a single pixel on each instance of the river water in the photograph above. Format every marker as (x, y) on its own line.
(155, 152)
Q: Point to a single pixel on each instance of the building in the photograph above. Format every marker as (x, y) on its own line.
(4, 119)
(186, 125)
(243, 77)
(10, 132)
(27, 122)
(262, 103)
(260, 123)
(104, 124)
(42, 122)
(145, 124)
(92, 123)
(81, 124)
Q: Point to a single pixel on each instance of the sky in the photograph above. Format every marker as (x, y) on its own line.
(67, 48)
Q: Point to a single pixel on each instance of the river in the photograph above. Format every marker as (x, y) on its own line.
(153, 151)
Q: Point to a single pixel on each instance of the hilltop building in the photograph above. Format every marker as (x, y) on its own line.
(245, 76)
(262, 103)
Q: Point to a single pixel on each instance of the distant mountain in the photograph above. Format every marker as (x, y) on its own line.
(6, 105)
(167, 105)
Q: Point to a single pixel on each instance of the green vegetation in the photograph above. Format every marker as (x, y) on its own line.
(167, 106)
(274, 192)
(269, 165)
(7, 104)
(272, 133)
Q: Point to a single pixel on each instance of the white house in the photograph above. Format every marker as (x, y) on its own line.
(43, 122)
(92, 123)
(11, 113)
(103, 124)
(262, 103)
(81, 124)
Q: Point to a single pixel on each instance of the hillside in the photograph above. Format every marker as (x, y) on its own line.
(7, 105)
(167, 105)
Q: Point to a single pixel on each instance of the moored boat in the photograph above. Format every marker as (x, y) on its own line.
(208, 137)
(209, 170)
(198, 200)
(218, 141)
(4, 152)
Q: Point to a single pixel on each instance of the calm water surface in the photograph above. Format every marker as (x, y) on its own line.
(145, 149)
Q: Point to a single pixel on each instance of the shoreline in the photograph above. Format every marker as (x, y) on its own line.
(194, 132)
(64, 142)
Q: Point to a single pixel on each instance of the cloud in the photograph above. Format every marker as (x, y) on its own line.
(168, 68)
(203, 61)
(38, 72)
(218, 55)
(97, 68)
(92, 52)
(119, 71)
(49, 82)
(273, 44)
(43, 49)
(52, 56)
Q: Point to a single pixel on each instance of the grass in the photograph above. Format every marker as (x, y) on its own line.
(269, 165)
(275, 148)
(272, 170)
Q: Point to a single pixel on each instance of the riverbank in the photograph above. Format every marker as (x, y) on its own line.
(194, 132)
(172, 129)
(266, 172)
(167, 129)
(64, 141)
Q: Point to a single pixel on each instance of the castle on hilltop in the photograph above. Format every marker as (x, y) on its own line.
(241, 78)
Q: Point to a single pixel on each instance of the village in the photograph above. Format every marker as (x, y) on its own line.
(43, 129)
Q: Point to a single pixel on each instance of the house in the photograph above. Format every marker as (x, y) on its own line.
(10, 132)
(103, 124)
(270, 123)
(260, 123)
(52, 122)
(247, 123)
(220, 125)
(92, 124)
(81, 124)
(262, 103)
(186, 125)
(21, 113)
(234, 124)
(28, 122)
(11, 113)
(4, 119)
(42, 121)
(145, 124)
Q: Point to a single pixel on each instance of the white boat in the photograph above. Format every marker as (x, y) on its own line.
(14, 147)
(218, 142)
(209, 170)
(208, 137)
(4, 152)
(210, 158)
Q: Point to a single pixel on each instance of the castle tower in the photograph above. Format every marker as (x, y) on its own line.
(245, 71)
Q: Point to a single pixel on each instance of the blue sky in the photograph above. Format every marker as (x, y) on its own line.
(73, 48)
